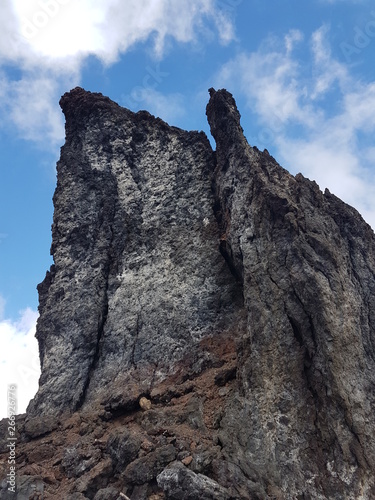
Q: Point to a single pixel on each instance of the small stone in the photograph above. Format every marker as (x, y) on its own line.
(224, 391)
(187, 460)
(145, 404)
(193, 446)
(147, 445)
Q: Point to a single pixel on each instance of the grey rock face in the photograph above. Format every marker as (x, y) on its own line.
(239, 299)
(138, 280)
(307, 378)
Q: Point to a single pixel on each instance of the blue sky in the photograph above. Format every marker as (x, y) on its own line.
(302, 74)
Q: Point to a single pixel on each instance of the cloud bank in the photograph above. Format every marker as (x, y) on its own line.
(19, 359)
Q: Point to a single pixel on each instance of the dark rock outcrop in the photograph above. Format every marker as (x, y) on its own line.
(237, 298)
(306, 370)
(138, 281)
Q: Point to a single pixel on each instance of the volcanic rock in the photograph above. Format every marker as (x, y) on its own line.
(235, 299)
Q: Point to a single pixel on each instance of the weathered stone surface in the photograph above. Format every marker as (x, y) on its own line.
(179, 482)
(28, 487)
(123, 448)
(138, 280)
(307, 378)
(236, 300)
(145, 469)
(4, 423)
(78, 459)
(109, 493)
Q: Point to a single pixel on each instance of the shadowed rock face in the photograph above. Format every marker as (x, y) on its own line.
(236, 299)
(306, 370)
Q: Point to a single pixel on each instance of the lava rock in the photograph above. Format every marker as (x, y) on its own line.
(146, 468)
(165, 251)
(179, 482)
(123, 448)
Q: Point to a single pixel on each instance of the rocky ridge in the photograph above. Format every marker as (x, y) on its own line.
(208, 327)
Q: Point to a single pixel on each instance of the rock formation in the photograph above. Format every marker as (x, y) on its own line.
(207, 330)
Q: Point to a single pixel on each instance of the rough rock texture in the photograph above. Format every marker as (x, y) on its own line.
(180, 482)
(137, 280)
(306, 371)
(208, 327)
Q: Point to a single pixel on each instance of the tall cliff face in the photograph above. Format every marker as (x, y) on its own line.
(306, 373)
(208, 327)
(138, 281)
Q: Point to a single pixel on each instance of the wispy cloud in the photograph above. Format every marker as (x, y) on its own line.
(31, 105)
(19, 359)
(108, 28)
(48, 42)
(327, 138)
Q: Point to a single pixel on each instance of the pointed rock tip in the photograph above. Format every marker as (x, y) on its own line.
(78, 98)
(222, 114)
(72, 95)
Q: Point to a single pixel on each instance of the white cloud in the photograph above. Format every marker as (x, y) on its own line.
(31, 105)
(49, 40)
(19, 360)
(270, 81)
(224, 26)
(326, 70)
(291, 39)
(318, 122)
(108, 27)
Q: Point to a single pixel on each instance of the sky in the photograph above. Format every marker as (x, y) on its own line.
(302, 73)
